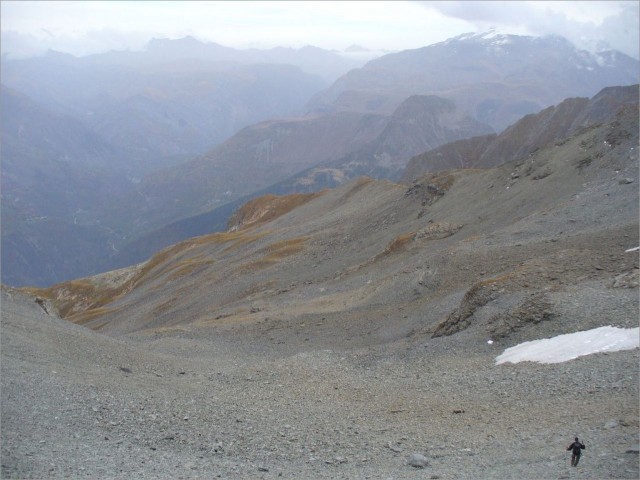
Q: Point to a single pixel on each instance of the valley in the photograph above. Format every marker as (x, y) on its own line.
(112, 153)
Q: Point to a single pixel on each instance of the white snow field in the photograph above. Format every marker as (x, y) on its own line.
(572, 345)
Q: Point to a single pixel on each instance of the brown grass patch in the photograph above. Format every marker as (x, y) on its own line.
(275, 252)
(284, 248)
(186, 267)
(85, 317)
(358, 185)
(246, 239)
(88, 296)
(75, 296)
(164, 307)
(266, 208)
(471, 239)
(399, 243)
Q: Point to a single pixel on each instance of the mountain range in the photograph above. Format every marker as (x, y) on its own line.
(357, 331)
(266, 153)
(450, 251)
(190, 51)
(495, 78)
(79, 133)
(526, 136)
(158, 110)
(520, 140)
(165, 113)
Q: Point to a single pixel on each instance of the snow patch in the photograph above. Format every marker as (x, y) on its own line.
(572, 345)
(502, 40)
(491, 33)
(605, 59)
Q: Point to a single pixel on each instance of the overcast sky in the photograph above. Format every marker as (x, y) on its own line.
(84, 27)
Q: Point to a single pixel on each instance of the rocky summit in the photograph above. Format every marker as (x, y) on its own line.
(350, 333)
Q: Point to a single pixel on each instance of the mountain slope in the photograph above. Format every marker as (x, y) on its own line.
(495, 78)
(156, 111)
(254, 158)
(303, 155)
(363, 318)
(418, 123)
(56, 176)
(525, 136)
(463, 249)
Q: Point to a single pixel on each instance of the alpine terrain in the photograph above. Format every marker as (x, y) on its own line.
(185, 128)
(353, 332)
(81, 132)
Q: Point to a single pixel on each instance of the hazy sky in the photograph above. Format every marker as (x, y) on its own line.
(83, 27)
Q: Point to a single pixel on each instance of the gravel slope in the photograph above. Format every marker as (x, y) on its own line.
(76, 404)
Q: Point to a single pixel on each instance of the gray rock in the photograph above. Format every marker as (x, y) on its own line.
(611, 424)
(417, 460)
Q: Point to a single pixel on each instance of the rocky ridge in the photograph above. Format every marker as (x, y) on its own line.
(529, 134)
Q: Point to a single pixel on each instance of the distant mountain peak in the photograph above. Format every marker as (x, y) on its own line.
(491, 35)
(496, 77)
(609, 58)
(188, 41)
(494, 37)
(57, 54)
(356, 48)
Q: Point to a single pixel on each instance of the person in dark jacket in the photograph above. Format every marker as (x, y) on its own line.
(576, 449)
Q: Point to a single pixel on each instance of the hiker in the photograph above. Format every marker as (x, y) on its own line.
(576, 449)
